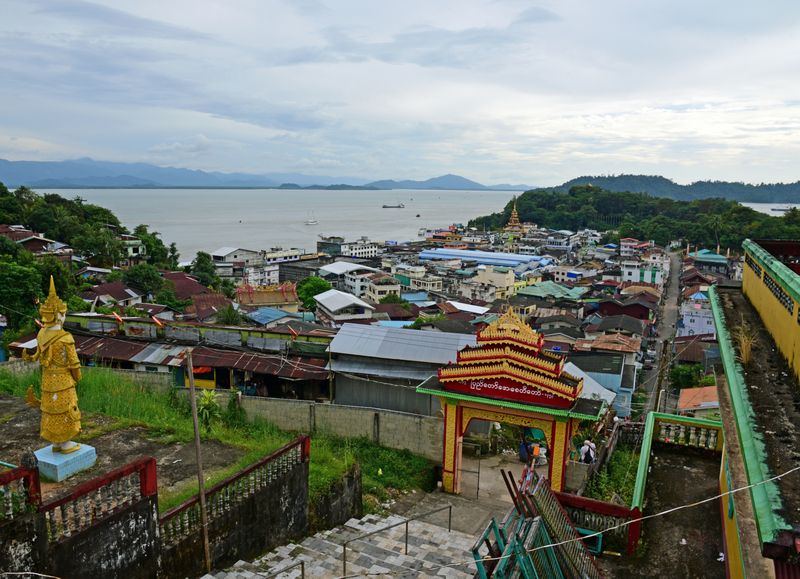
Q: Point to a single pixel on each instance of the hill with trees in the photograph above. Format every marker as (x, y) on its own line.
(704, 221)
(662, 187)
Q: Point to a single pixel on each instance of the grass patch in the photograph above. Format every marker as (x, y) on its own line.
(616, 478)
(103, 393)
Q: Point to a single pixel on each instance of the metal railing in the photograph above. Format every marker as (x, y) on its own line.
(447, 507)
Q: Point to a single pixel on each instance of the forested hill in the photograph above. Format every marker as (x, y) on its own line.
(663, 187)
(704, 221)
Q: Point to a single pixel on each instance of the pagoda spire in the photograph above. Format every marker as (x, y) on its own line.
(514, 223)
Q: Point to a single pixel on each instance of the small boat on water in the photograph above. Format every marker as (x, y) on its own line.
(311, 220)
(398, 206)
(782, 209)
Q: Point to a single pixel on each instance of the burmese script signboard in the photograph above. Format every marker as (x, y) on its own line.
(505, 389)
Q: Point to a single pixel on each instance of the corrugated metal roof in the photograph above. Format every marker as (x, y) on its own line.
(334, 300)
(284, 366)
(382, 370)
(399, 344)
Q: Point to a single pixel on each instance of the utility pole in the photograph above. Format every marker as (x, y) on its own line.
(200, 478)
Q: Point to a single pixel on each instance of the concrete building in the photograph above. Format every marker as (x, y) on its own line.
(337, 246)
(381, 286)
(379, 367)
(335, 308)
(634, 270)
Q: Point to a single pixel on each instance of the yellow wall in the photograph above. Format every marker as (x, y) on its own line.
(781, 324)
(730, 529)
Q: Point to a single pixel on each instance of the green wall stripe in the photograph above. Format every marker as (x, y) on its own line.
(765, 497)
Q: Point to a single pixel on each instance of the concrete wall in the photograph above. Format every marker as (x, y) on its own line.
(342, 502)
(272, 516)
(421, 435)
(126, 544)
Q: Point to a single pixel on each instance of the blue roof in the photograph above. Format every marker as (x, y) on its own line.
(395, 323)
(482, 257)
(415, 296)
(266, 315)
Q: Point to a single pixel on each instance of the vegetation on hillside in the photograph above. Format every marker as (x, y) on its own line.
(167, 417)
(663, 187)
(706, 222)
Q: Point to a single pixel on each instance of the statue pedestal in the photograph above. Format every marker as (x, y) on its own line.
(56, 466)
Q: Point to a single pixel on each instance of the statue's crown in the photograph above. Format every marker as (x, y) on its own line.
(52, 306)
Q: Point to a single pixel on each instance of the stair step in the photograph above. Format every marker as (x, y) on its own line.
(433, 552)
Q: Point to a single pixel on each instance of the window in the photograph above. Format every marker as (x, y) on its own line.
(752, 263)
(779, 293)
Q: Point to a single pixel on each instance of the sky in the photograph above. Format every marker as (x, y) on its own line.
(499, 91)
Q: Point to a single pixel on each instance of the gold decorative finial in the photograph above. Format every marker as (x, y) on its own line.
(52, 306)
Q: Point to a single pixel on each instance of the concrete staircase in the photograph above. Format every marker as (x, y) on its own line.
(432, 552)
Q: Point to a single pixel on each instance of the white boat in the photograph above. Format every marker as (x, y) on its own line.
(311, 220)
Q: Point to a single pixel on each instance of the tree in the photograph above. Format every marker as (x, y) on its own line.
(20, 288)
(156, 251)
(310, 287)
(99, 245)
(203, 269)
(145, 277)
(62, 277)
(166, 296)
(173, 257)
(228, 316)
(686, 376)
(393, 299)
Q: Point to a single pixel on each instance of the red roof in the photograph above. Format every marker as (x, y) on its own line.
(185, 285)
(116, 289)
(206, 306)
(397, 311)
(276, 365)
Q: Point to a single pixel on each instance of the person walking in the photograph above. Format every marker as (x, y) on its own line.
(588, 451)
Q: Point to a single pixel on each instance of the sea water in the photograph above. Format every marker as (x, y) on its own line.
(207, 219)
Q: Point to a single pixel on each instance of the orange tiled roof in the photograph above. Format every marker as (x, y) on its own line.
(694, 398)
(611, 343)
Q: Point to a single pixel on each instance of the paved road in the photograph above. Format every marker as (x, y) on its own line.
(666, 329)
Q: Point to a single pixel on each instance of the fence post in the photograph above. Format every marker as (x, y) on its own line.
(406, 536)
(148, 484)
(634, 531)
(344, 559)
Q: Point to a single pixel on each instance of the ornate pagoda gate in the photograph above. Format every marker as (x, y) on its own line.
(509, 378)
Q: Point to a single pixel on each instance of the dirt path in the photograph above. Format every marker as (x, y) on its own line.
(686, 543)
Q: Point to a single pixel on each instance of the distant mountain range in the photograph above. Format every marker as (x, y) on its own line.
(99, 174)
(90, 173)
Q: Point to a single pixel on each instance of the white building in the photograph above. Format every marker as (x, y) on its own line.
(695, 316)
(335, 308)
(641, 271)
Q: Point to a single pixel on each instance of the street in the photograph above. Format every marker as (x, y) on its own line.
(665, 326)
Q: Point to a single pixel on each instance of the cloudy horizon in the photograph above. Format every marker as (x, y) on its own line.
(499, 91)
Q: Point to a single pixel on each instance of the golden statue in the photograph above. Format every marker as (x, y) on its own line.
(61, 370)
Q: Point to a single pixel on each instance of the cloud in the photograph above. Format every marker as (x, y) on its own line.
(495, 90)
(113, 20)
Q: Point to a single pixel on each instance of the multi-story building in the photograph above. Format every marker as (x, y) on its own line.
(696, 317)
(337, 246)
(381, 286)
(335, 307)
(636, 270)
(135, 251)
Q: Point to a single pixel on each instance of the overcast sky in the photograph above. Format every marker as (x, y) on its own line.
(496, 90)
